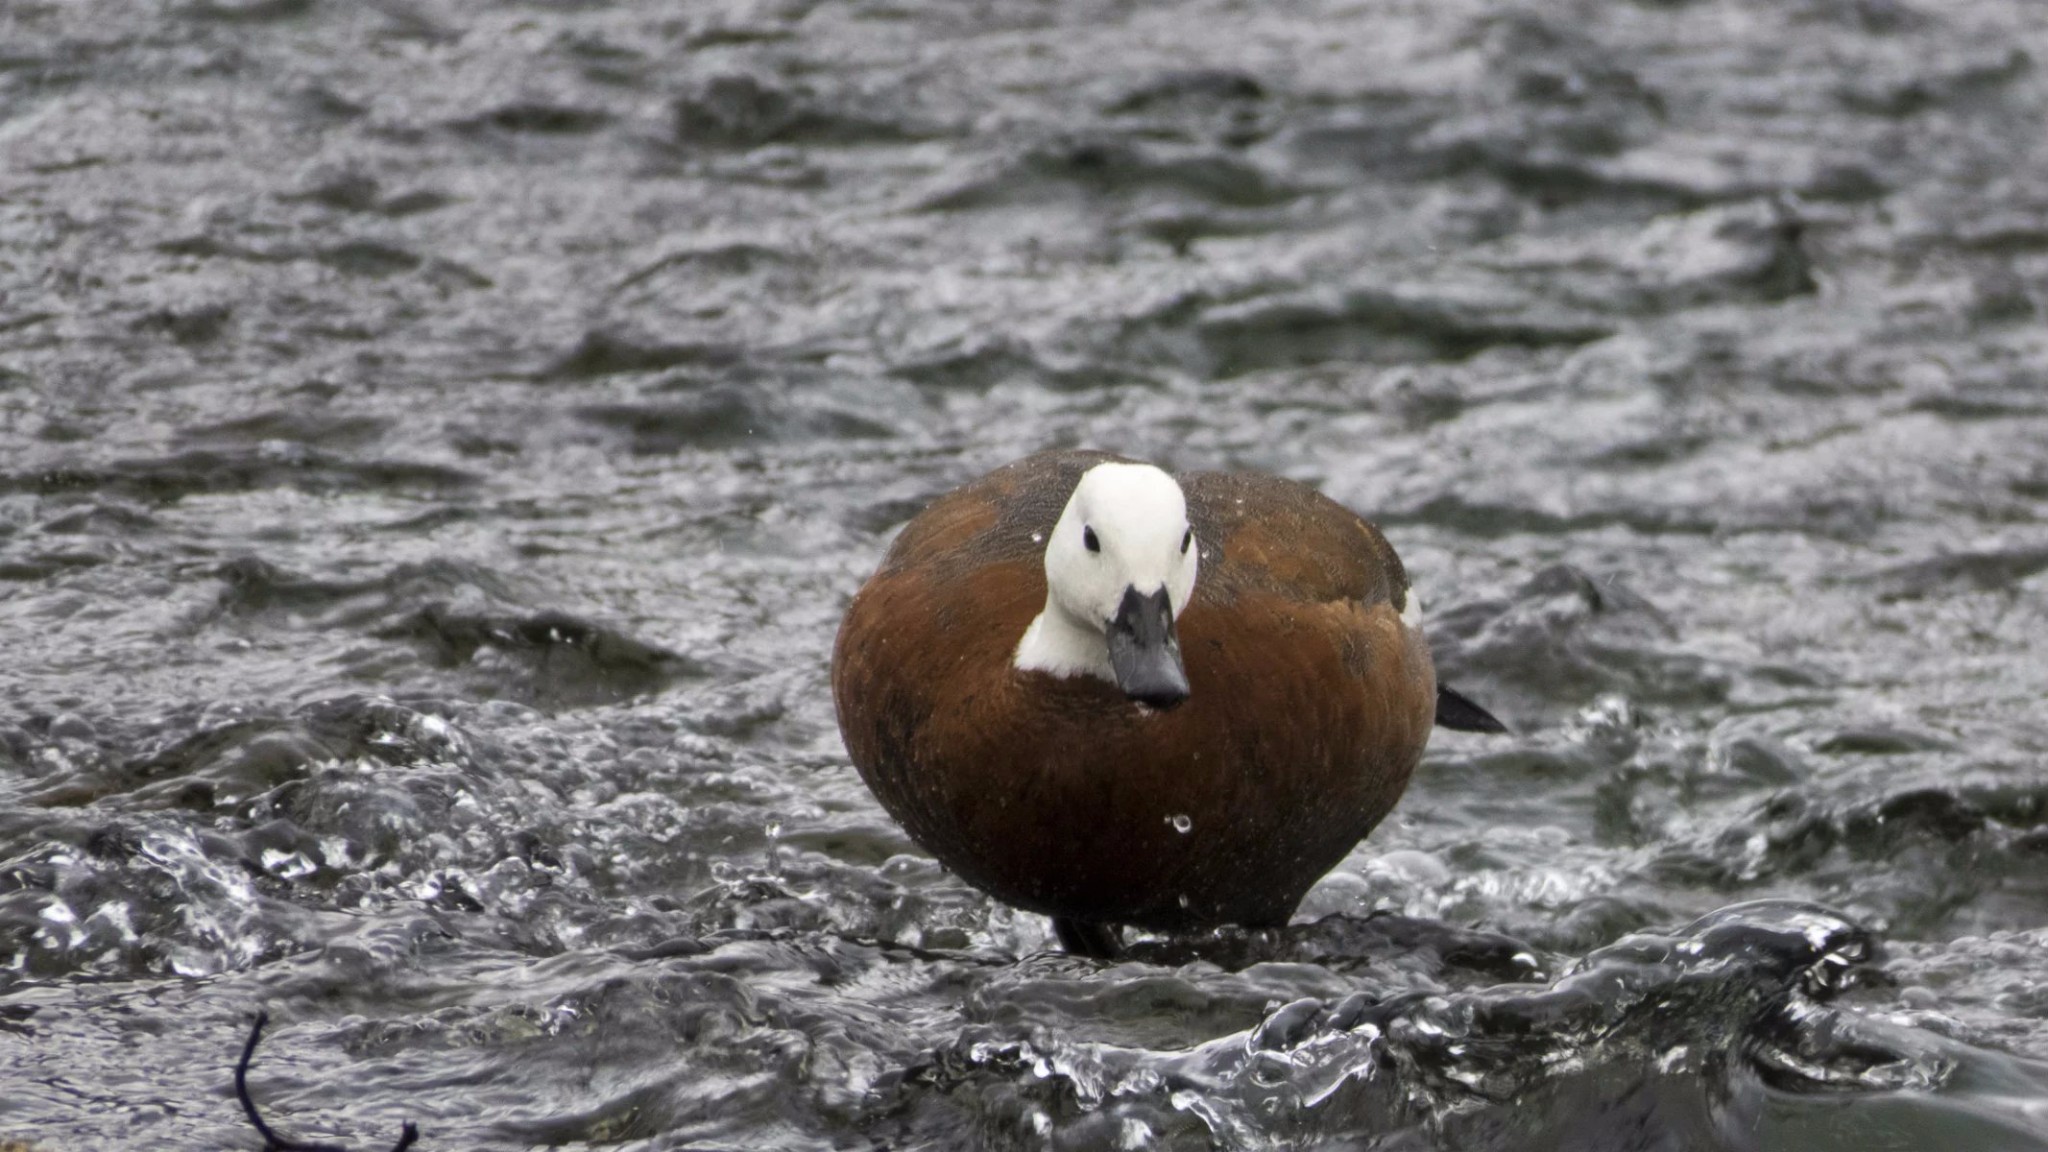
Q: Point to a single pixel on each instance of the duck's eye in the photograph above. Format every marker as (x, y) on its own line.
(1187, 541)
(1088, 539)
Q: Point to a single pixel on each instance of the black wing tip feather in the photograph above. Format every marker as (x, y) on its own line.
(1457, 711)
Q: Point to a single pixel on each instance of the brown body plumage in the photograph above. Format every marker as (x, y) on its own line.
(1310, 702)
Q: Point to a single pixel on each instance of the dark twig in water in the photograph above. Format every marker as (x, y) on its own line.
(272, 1142)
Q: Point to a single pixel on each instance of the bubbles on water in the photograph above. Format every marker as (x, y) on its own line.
(1181, 823)
(288, 865)
(1269, 1069)
(1637, 998)
(59, 930)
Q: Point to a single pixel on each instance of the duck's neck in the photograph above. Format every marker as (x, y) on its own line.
(1059, 645)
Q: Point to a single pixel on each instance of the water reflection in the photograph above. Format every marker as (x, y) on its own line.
(439, 443)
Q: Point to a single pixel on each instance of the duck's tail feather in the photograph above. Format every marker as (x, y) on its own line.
(1456, 711)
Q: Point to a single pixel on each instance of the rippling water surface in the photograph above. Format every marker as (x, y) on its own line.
(437, 441)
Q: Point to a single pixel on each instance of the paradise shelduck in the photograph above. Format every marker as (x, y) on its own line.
(1117, 697)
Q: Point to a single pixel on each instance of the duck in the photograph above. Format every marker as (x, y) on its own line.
(1120, 697)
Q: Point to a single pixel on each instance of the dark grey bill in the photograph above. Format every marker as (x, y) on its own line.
(1143, 651)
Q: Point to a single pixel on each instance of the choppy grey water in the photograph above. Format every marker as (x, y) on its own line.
(437, 441)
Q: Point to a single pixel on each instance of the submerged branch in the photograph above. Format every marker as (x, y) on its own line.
(272, 1142)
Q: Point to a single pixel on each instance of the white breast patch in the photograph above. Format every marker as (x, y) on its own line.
(1411, 614)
